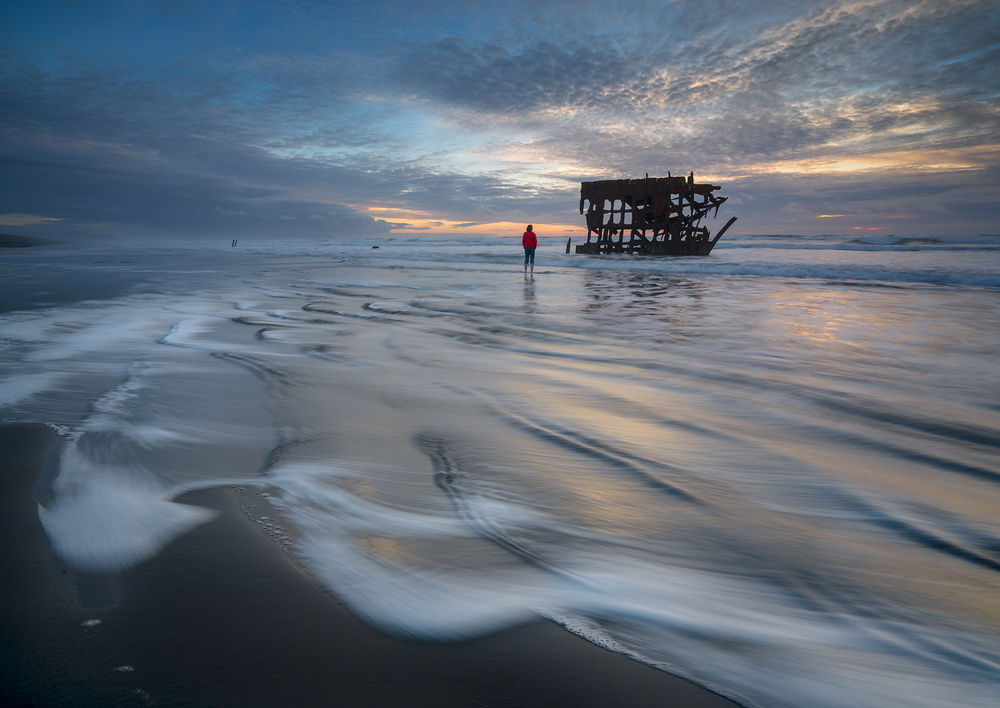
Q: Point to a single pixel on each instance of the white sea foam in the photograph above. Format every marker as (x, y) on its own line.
(422, 603)
(189, 332)
(112, 328)
(107, 528)
(23, 386)
(308, 495)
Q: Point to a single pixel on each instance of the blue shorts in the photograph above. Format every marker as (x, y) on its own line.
(529, 255)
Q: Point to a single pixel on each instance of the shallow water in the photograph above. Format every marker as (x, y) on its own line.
(773, 470)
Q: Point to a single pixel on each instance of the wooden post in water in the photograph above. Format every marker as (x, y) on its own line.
(567, 243)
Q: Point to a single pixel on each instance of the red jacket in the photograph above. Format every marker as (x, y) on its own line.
(529, 240)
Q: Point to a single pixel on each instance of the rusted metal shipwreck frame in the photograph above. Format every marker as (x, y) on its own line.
(655, 215)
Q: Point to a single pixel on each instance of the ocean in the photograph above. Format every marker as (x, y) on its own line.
(772, 470)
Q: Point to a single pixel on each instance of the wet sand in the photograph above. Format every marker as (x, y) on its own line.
(223, 617)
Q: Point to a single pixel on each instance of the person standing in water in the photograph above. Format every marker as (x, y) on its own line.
(530, 243)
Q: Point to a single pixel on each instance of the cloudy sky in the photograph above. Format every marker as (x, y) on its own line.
(302, 118)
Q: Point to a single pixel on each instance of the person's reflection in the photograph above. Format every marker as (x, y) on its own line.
(529, 294)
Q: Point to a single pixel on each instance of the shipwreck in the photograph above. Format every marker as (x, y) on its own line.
(655, 215)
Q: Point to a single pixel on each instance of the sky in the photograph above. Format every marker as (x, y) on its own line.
(177, 119)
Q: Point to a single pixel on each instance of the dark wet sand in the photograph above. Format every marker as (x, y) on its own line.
(223, 618)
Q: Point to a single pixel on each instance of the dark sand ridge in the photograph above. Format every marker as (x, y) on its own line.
(224, 618)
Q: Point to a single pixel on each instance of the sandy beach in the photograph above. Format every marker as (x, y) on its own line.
(223, 617)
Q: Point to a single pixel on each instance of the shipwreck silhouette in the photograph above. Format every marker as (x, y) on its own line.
(655, 215)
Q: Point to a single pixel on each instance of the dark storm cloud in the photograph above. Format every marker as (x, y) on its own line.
(226, 149)
(183, 152)
(782, 88)
(493, 79)
(898, 205)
